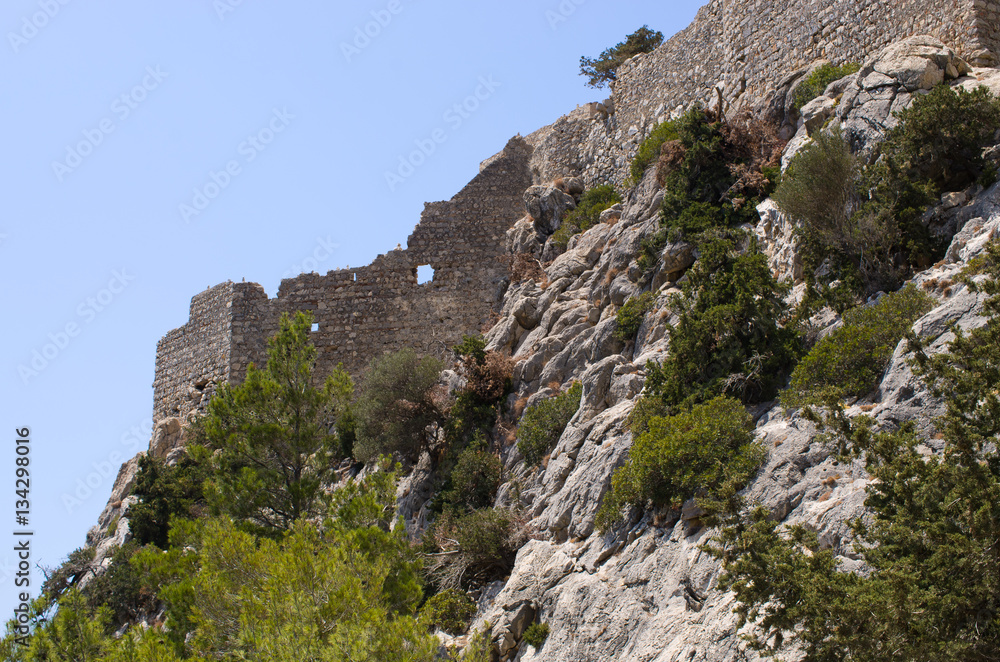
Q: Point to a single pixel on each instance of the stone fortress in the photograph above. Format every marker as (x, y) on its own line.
(743, 48)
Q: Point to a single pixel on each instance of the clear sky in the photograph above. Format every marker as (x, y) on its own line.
(121, 120)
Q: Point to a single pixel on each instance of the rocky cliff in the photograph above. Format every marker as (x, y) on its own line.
(648, 591)
(651, 592)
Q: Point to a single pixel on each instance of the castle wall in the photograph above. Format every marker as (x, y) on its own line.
(747, 47)
(198, 353)
(361, 313)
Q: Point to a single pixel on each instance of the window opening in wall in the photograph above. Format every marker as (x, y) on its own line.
(315, 327)
(355, 276)
(425, 274)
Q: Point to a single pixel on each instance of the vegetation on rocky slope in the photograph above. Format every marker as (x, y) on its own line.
(862, 222)
(930, 546)
(267, 540)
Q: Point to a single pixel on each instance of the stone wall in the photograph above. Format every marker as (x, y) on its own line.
(361, 313)
(188, 359)
(747, 48)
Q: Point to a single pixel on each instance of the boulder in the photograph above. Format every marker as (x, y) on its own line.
(886, 84)
(546, 205)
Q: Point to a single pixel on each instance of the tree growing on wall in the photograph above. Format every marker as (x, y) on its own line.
(603, 70)
(271, 440)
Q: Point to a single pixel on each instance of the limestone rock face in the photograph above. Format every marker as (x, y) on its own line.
(886, 83)
(168, 439)
(523, 238)
(546, 205)
(775, 232)
(648, 591)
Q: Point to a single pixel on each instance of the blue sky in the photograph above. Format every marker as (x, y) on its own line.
(152, 150)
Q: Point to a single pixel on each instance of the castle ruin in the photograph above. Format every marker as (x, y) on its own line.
(746, 48)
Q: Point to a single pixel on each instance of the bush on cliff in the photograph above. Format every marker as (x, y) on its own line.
(929, 541)
(850, 361)
(864, 222)
(716, 172)
(268, 440)
(709, 449)
(473, 481)
(714, 175)
(536, 634)
(587, 213)
(649, 149)
(395, 405)
(451, 611)
(729, 338)
(603, 70)
(470, 549)
(630, 315)
(164, 493)
(544, 423)
(816, 82)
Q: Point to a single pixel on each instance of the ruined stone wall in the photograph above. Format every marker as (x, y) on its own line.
(365, 312)
(765, 41)
(195, 355)
(747, 47)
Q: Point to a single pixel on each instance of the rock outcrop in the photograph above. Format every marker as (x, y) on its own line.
(649, 591)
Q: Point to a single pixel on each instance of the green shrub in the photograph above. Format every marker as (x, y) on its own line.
(825, 189)
(60, 580)
(395, 405)
(691, 454)
(536, 634)
(474, 480)
(480, 646)
(604, 69)
(713, 174)
(631, 314)
(122, 588)
(713, 177)
(649, 150)
(818, 80)
(544, 423)
(113, 525)
(865, 221)
(820, 188)
(587, 213)
(729, 338)
(850, 361)
(165, 492)
(487, 377)
(940, 138)
(450, 611)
